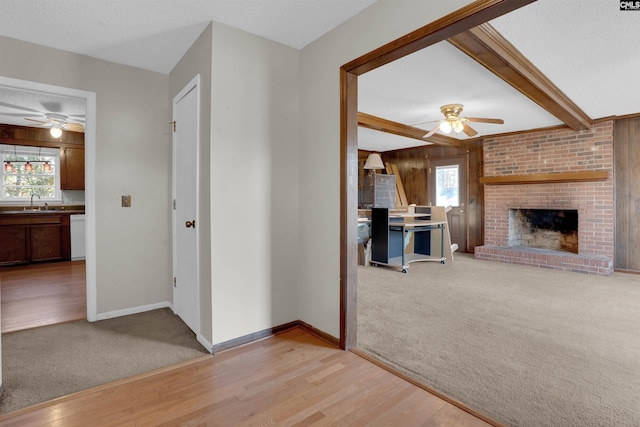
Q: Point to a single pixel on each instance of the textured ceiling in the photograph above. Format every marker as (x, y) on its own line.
(155, 34)
(589, 49)
(16, 105)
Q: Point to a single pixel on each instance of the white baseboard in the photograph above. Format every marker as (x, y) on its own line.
(206, 344)
(134, 310)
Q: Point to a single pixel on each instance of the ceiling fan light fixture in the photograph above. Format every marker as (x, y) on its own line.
(445, 126)
(55, 132)
(457, 126)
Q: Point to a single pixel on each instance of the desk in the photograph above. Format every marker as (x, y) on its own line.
(391, 235)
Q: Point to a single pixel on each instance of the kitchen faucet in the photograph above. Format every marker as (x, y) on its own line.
(33, 194)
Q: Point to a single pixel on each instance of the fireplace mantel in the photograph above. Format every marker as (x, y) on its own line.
(546, 178)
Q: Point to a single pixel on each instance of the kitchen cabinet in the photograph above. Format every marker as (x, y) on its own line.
(46, 243)
(14, 247)
(72, 168)
(34, 237)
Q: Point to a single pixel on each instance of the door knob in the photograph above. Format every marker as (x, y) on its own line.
(190, 224)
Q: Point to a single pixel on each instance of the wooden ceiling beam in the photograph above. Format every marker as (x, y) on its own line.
(490, 49)
(466, 17)
(395, 128)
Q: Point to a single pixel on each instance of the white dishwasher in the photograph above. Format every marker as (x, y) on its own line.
(77, 236)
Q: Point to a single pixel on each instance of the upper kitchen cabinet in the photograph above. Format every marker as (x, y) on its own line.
(72, 168)
(71, 145)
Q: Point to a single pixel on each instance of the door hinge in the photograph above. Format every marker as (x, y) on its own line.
(173, 122)
(174, 204)
(174, 282)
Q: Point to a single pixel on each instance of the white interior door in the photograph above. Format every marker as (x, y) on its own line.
(186, 299)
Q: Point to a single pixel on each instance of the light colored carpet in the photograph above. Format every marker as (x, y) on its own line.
(52, 361)
(526, 346)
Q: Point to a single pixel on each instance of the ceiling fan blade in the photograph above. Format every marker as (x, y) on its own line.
(37, 121)
(17, 107)
(20, 114)
(468, 130)
(482, 120)
(75, 127)
(431, 132)
(424, 123)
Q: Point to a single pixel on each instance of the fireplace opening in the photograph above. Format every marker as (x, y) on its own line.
(544, 228)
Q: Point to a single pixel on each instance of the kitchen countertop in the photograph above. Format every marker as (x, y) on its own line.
(19, 210)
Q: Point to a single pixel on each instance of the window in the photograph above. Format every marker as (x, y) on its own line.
(447, 185)
(28, 171)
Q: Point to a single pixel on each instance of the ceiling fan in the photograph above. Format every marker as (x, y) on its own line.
(453, 121)
(58, 121)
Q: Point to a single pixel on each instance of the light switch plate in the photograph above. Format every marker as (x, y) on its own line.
(126, 201)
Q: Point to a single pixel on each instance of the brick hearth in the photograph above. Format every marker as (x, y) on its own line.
(544, 152)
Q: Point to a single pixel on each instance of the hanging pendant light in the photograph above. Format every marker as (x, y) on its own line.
(8, 167)
(28, 167)
(46, 167)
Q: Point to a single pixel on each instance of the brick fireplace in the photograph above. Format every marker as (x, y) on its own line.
(514, 158)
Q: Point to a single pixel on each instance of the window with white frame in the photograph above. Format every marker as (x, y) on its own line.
(28, 171)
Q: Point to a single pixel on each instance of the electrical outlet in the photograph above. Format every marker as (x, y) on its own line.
(126, 201)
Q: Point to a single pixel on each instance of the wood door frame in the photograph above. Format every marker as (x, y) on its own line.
(463, 19)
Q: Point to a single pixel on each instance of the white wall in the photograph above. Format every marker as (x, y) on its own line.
(132, 152)
(319, 252)
(196, 61)
(254, 183)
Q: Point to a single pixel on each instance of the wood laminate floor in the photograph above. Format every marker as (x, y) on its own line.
(293, 378)
(42, 294)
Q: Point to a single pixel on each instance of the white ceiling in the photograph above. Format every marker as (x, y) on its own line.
(589, 49)
(155, 34)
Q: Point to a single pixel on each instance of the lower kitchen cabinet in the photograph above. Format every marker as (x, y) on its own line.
(46, 242)
(15, 245)
(33, 237)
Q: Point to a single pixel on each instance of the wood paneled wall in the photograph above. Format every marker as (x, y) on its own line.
(25, 135)
(413, 166)
(626, 148)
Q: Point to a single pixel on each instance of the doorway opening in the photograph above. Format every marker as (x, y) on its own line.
(89, 99)
(461, 20)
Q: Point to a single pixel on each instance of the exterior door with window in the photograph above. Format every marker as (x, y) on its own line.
(448, 187)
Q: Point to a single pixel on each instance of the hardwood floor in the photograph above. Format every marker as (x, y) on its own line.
(42, 294)
(293, 378)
